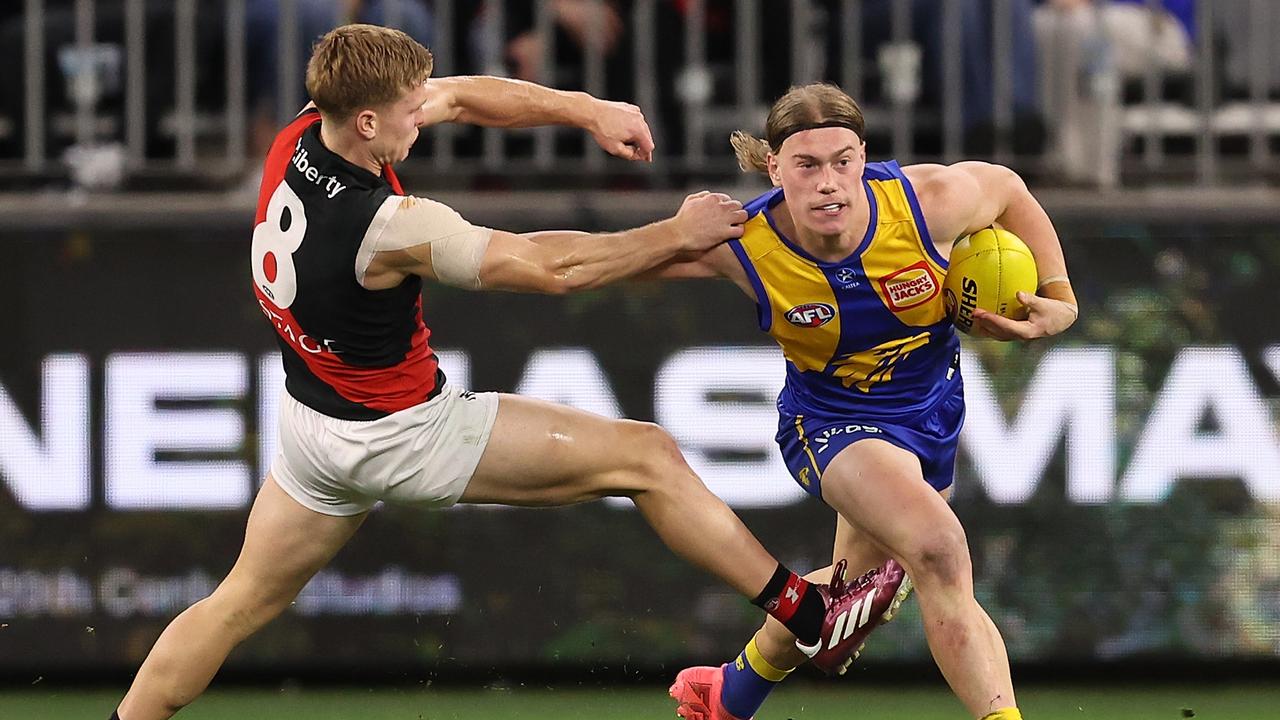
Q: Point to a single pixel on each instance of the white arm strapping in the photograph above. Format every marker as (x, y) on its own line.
(405, 221)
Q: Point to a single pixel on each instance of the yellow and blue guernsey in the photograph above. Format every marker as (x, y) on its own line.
(870, 351)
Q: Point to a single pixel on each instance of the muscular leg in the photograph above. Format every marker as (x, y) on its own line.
(879, 488)
(285, 544)
(540, 453)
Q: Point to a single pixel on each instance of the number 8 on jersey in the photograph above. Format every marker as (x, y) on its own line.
(274, 242)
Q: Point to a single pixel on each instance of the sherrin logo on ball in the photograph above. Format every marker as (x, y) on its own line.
(810, 315)
(987, 270)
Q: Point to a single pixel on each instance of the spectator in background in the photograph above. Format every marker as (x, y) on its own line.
(1089, 51)
(579, 25)
(977, 60)
(519, 52)
(503, 38)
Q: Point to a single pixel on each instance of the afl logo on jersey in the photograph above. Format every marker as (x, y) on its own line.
(810, 315)
(911, 286)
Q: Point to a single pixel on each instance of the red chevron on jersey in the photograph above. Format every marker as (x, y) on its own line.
(386, 389)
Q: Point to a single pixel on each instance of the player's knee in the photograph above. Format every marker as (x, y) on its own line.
(655, 452)
(940, 559)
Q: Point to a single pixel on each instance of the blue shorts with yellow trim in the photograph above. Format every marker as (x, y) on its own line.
(809, 442)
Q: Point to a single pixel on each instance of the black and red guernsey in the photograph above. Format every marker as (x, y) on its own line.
(349, 352)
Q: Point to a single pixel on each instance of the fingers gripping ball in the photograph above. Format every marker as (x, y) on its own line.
(987, 269)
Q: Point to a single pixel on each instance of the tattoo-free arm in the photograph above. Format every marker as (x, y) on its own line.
(966, 197)
(619, 128)
(558, 262)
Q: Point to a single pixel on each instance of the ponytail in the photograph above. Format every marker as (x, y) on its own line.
(752, 152)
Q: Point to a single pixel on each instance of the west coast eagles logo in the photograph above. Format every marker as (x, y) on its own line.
(810, 315)
(911, 286)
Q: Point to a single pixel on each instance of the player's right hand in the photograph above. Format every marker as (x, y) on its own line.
(707, 219)
(620, 129)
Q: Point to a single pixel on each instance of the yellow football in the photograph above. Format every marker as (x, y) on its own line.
(986, 270)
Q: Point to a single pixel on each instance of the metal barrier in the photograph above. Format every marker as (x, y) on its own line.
(917, 63)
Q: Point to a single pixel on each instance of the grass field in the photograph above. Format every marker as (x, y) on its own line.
(1219, 702)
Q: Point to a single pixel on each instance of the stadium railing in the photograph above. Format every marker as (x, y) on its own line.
(111, 125)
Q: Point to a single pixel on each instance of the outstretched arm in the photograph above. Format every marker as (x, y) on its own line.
(966, 197)
(561, 262)
(619, 128)
(552, 262)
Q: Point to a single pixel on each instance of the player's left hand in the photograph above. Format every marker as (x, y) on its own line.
(1045, 317)
(620, 129)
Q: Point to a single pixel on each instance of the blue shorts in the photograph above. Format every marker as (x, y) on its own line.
(809, 442)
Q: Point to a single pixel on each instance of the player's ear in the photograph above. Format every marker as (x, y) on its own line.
(775, 174)
(367, 124)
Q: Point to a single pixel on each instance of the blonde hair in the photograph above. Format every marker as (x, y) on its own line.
(803, 107)
(359, 66)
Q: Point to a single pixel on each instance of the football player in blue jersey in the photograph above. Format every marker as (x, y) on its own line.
(845, 261)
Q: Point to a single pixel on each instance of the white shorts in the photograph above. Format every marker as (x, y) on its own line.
(423, 455)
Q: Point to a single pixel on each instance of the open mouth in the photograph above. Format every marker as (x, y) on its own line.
(830, 208)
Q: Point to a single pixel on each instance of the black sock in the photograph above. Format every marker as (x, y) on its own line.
(792, 601)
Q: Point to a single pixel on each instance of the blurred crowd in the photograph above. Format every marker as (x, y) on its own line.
(1066, 59)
